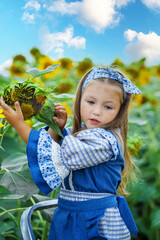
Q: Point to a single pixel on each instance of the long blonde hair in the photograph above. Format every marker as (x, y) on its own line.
(120, 121)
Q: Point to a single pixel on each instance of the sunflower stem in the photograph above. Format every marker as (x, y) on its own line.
(2, 132)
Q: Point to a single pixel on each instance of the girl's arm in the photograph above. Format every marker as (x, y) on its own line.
(16, 119)
(60, 119)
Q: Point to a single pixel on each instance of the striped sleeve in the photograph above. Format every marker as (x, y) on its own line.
(89, 148)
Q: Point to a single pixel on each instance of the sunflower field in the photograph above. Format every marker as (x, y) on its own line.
(17, 189)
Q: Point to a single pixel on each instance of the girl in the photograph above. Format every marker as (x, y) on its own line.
(88, 162)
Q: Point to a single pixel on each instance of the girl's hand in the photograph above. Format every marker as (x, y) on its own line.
(16, 119)
(61, 115)
(13, 117)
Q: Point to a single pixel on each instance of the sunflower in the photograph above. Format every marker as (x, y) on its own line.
(35, 52)
(30, 96)
(144, 77)
(18, 67)
(66, 63)
(45, 62)
(67, 108)
(29, 123)
(3, 117)
(117, 63)
(84, 66)
(158, 71)
(138, 99)
(64, 86)
(134, 144)
(132, 74)
(16, 71)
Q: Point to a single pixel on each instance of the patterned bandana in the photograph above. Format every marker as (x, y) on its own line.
(95, 73)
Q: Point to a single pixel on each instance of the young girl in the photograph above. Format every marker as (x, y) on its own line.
(88, 162)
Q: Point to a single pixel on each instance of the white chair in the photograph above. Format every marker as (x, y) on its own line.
(25, 223)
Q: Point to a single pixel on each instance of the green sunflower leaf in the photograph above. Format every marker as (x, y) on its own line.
(46, 116)
(15, 177)
(35, 72)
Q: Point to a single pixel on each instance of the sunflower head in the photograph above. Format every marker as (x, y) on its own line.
(29, 95)
(134, 144)
(66, 63)
(84, 66)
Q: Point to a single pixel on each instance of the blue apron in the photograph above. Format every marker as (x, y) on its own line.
(78, 220)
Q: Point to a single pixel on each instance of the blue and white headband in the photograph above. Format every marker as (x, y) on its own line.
(95, 73)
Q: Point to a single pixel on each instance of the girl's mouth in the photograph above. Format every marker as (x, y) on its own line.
(94, 121)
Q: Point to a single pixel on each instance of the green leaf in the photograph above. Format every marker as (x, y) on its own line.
(63, 97)
(14, 162)
(138, 121)
(9, 87)
(35, 72)
(46, 116)
(5, 226)
(18, 182)
(156, 218)
(4, 191)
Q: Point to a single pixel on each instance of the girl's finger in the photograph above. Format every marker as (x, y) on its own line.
(3, 104)
(58, 106)
(17, 107)
(61, 113)
(56, 119)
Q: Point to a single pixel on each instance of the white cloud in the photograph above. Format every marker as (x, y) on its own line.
(28, 18)
(130, 35)
(152, 4)
(98, 14)
(31, 12)
(59, 51)
(64, 8)
(144, 45)
(123, 3)
(4, 68)
(32, 5)
(58, 41)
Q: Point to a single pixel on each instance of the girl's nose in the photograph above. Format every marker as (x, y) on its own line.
(97, 110)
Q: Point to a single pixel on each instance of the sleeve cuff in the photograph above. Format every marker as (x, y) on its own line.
(33, 162)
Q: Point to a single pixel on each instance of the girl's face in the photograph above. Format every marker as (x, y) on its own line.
(100, 103)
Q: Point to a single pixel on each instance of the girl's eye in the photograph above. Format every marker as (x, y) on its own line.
(90, 102)
(108, 107)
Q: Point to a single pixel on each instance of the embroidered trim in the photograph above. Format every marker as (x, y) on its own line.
(44, 154)
(57, 162)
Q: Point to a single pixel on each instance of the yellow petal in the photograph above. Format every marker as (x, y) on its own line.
(0, 135)
(67, 108)
(28, 122)
(1, 110)
(2, 116)
(1, 125)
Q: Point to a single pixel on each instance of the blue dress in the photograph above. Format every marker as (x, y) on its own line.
(88, 167)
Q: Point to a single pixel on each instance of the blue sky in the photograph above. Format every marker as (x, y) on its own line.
(99, 29)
